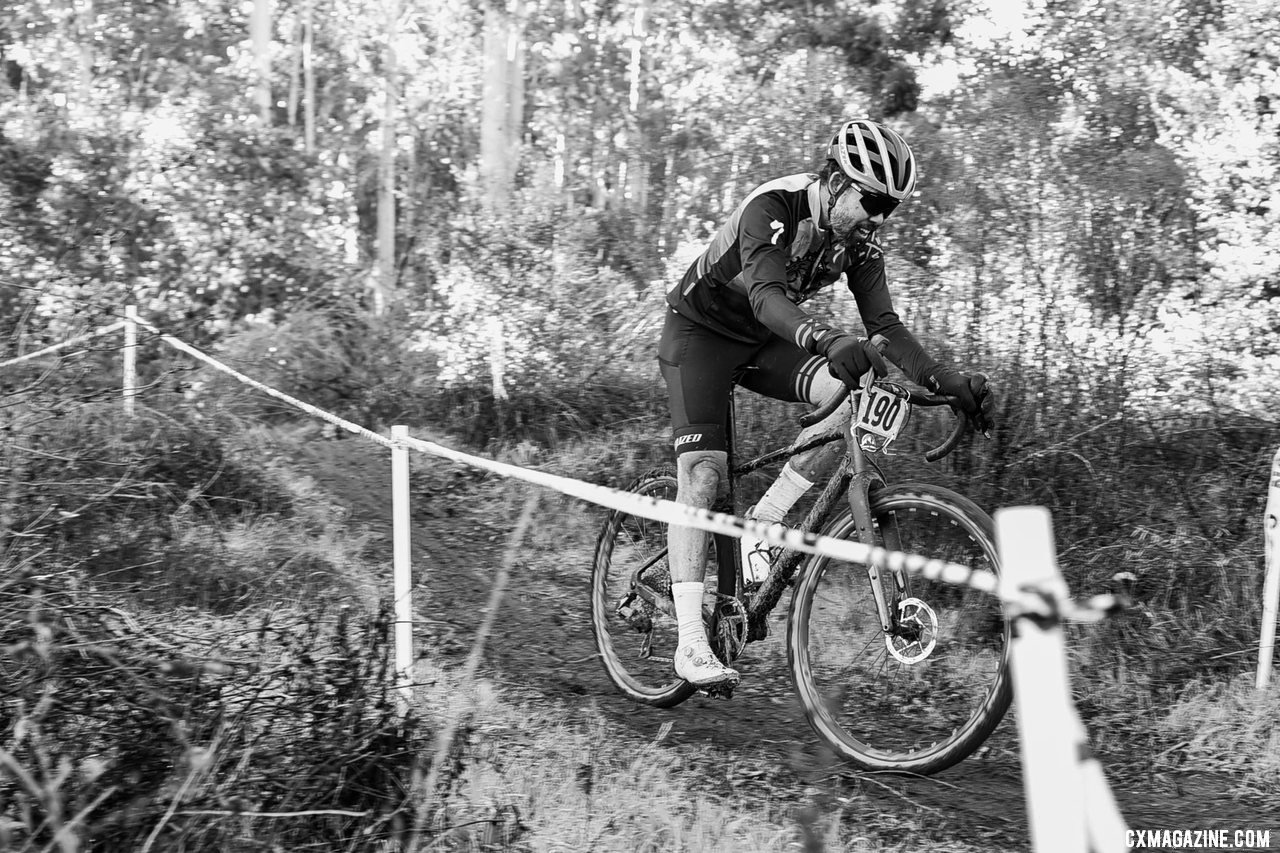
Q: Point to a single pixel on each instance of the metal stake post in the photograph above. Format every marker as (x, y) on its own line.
(130, 381)
(1271, 586)
(402, 557)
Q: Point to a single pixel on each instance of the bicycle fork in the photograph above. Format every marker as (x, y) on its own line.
(863, 480)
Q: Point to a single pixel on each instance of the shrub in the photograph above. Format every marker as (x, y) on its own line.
(338, 358)
(121, 736)
(90, 484)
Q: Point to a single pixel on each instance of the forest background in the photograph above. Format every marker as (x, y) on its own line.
(463, 215)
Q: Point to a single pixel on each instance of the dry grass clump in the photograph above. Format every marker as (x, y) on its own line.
(1230, 727)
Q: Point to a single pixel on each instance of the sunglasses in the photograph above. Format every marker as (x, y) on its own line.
(876, 204)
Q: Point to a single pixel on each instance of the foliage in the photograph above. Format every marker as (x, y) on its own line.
(121, 739)
(501, 305)
(337, 357)
(86, 483)
(181, 654)
(165, 505)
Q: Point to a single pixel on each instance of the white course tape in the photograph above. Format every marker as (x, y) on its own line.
(654, 508)
(268, 390)
(97, 333)
(716, 522)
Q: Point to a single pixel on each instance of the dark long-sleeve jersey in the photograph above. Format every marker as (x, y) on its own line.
(772, 256)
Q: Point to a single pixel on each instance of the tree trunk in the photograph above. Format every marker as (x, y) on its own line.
(668, 230)
(515, 88)
(639, 175)
(502, 118)
(386, 275)
(493, 116)
(302, 78)
(808, 145)
(560, 163)
(260, 36)
(497, 359)
(295, 76)
(730, 197)
(84, 51)
(308, 77)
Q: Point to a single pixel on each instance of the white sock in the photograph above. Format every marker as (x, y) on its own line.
(782, 495)
(688, 600)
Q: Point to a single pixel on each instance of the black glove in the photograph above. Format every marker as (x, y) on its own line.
(974, 395)
(849, 358)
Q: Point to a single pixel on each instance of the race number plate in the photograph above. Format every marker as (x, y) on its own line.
(881, 417)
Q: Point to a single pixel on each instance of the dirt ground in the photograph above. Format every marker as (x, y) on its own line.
(543, 648)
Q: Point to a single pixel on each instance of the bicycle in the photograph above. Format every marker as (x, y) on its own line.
(895, 673)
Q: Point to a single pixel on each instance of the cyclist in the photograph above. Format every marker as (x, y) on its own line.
(734, 317)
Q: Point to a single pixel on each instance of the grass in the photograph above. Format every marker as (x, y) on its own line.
(1229, 727)
(574, 784)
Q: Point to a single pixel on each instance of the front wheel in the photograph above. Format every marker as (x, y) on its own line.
(631, 615)
(927, 697)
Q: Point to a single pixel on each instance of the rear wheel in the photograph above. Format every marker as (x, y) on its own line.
(931, 695)
(631, 612)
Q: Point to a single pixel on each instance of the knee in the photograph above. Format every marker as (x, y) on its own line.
(823, 387)
(703, 475)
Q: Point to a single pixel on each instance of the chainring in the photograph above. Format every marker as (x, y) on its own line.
(727, 628)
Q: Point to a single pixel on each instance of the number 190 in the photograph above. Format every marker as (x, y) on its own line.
(884, 412)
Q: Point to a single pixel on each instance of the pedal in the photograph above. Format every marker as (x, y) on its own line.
(723, 690)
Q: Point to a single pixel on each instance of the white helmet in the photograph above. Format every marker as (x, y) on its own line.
(875, 158)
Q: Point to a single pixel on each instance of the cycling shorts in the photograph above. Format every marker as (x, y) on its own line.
(701, 367)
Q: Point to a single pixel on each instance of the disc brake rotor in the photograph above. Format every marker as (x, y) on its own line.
(917, 633)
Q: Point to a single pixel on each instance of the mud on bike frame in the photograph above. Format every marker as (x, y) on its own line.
(854, 476)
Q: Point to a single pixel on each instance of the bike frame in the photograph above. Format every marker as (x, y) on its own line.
(855, 477)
